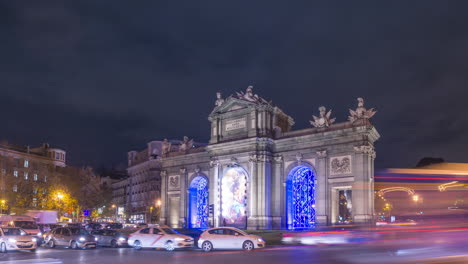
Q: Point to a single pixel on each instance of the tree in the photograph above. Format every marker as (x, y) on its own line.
(428, 161)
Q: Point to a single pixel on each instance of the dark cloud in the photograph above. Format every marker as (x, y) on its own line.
(100, 78)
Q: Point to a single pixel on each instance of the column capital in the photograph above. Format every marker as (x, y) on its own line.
(214, 162)
(321, 154)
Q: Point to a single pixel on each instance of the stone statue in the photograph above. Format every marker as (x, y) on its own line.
(249, 96)
(219, 99)
(186, 144)
(361, 112)
(166, 147)
(324, 119)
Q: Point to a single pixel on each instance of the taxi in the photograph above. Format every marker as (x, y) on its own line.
(159, 237)
(13, 238)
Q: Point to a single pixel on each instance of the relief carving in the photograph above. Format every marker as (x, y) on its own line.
(174, 181)
(321, 154)
(340, 165)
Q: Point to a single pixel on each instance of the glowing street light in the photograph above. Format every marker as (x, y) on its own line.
(415, 198)
(2, 204)
(158, 203)
(60, 196)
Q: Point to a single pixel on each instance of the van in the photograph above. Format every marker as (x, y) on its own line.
(24, 222)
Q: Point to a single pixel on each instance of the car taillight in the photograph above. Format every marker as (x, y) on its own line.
(129, 236)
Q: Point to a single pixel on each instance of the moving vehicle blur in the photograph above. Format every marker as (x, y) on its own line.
(110, 238)
(159, 237)
(12, 238)
(228, 238)
(72, 237)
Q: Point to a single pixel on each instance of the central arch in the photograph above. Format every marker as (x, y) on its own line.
(300, 198)
(234, 198)
(198, 203)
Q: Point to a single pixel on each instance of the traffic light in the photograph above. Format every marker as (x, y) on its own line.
(211, 209)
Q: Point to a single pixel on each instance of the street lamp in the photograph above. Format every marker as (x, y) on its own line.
(115, 212)
(60, 197)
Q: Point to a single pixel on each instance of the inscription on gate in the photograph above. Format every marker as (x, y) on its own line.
(235, 124)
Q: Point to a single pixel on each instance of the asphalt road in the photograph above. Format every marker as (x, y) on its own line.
(271, 255)
(447, 246)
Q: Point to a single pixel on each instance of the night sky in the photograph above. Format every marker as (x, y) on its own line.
(99, 78)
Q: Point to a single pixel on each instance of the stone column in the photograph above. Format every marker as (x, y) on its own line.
(277, 202)
(322, 200)
(162, 213)
(260, 192)
(252, 196)
(183, 198)
(363, 191)
(214, 195)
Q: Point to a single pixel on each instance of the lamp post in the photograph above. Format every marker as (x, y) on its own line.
(115, 212)
(60, 197)
(2, 205)
(158, 210)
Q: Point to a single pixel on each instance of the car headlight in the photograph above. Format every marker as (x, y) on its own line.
(12, 240)
(82, 239)
(122, 239)
(95, 239)
(260, 240)
(179, 239)
(39, 234)
(34, 239)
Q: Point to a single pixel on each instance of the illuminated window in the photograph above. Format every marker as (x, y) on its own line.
(26, 163)
(45, 178)
(34, 202)
(301, 198)
(15, 188)
(26, 175)
(15, 173)
(35, 176)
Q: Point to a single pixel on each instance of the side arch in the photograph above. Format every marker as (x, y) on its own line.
(300, 196)
(198, 193)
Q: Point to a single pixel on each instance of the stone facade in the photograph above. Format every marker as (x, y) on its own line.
(257, 173)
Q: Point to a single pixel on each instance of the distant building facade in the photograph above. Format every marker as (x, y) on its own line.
(257, 173)
(23, 170)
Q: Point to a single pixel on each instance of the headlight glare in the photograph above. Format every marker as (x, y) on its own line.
(34, 240)
(122, 238)
(179, 239)
(12, 240)
(39, 234)
(82, 239)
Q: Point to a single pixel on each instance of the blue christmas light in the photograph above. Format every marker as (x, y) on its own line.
(303, 198)
(202, 204)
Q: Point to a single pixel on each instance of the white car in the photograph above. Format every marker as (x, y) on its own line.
(159, 237)
(228, 238)
(12, 238)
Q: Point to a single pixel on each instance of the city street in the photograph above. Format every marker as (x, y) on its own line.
(446, 246)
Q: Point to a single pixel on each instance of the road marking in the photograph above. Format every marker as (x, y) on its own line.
(34, 261)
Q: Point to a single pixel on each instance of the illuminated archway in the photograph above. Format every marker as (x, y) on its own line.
(300, 198)
(234, 198)
(198, 203)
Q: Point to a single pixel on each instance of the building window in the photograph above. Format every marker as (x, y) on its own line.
(26, 163)
(26, 175)
(45, 178)
(57, 155)
(34, 202)
(35, 190)
(15, 188)
(35, 176)
(15, 173)
(3, 171)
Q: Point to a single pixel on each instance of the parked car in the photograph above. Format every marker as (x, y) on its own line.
(12, 238)
(109, 237)
(228, 238)
(191, 232)
(93, 226)
(114, 226)
(70, 237)
(159, 237)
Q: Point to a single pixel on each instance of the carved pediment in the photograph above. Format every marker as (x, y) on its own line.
(231, 104)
